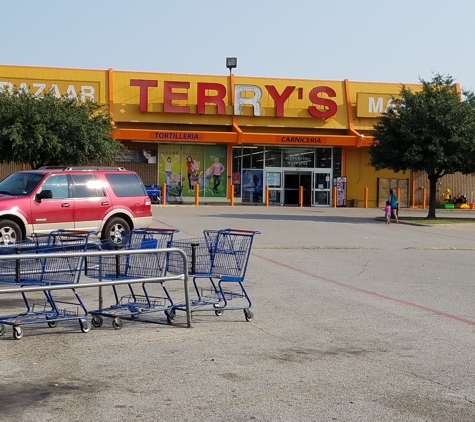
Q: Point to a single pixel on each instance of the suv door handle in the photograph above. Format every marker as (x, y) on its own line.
(65, 205)
(104, 203)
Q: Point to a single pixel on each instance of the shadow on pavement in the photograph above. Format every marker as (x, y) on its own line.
(315, 218)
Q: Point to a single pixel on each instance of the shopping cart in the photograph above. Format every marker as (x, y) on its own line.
(154, 193)
(133, 266)
(43, 261)
(218, 263)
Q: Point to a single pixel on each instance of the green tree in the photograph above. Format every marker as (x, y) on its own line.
(431, 130)
(54, 131)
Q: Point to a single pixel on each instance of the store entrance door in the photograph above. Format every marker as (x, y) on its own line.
(322, 188)
(292, 182)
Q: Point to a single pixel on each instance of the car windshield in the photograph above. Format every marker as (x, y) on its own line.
(20, 184)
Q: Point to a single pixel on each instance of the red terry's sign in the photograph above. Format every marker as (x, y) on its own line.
(322, 107)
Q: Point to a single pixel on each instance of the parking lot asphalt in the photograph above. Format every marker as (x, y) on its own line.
(354, 320)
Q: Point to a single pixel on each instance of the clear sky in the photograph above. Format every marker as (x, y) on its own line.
(363, 40)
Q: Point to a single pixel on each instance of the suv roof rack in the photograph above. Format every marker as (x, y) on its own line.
(65, 168)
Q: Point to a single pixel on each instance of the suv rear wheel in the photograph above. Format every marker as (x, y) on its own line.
(10, 232)
(115, 229)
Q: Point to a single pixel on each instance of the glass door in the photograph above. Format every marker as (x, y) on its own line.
(322, 188)
(274, 180)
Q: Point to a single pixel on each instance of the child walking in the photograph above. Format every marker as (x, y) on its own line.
(387, 212)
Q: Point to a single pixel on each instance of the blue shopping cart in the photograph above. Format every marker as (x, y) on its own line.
(42, 261)
(134, 303)
(220, 259)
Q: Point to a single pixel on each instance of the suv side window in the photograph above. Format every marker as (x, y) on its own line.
(58, 184)
(87, 186)
(126, 185)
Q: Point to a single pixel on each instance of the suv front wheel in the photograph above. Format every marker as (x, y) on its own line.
(10, 232)
(115, 229)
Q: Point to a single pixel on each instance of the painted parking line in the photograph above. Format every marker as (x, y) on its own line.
(440, 248)
(372, 293)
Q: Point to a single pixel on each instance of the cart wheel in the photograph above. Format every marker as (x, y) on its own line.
(218, 312)
(117, 323)
(248, 314)
(52, 324)
(97, 321)
(2, 330)
(85, 326)
(170, 315)
(17, 332)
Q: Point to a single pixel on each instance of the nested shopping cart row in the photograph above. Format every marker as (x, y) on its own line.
(44, 261)
(217, 263)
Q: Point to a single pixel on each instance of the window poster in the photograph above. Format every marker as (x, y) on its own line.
(252, 181)
(182, 167)
(192, 167)
(215, 180)
(138, 156)
(170, 166)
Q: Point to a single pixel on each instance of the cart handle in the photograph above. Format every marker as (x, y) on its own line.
(244, 231)
(155, 229)
(64, 231)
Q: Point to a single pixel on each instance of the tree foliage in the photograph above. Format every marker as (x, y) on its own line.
(54, 130)
(431, 130)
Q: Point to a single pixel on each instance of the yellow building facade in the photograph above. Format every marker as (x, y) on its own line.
(211, 132)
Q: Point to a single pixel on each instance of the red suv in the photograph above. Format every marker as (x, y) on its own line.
(109, 200)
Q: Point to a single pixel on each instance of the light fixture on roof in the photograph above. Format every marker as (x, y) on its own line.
(231, 63)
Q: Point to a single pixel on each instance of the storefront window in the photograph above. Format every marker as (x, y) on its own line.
(337, 158)
(257, 158)
(273, 157)
(299, 157)
(253, 157)
(246, 157)
(324, 158)
(236, 171)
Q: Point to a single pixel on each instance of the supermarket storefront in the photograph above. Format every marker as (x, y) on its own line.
(284, 170)
(218, 131)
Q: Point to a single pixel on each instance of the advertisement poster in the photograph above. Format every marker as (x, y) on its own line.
(138, 156)
(192, 167)
(170, 166)
(252, 184)
(252, 181)
(216, 176)
(341, 191)
(236, 179)
(181, 167)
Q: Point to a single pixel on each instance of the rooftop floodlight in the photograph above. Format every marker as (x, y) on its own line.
(231, 63)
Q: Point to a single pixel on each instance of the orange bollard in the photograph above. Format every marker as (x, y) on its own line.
(366, 197)
(231, 199)
(267, 196)
(423, 198)
(301, 196)
(164, 194)
(398, 194)
(197, 194)
(334, 197)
